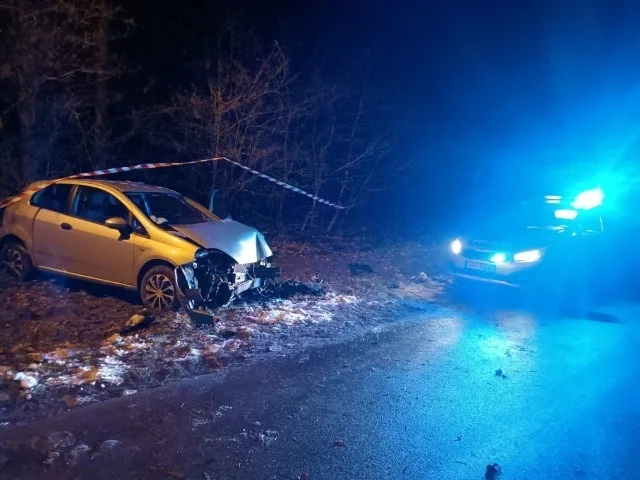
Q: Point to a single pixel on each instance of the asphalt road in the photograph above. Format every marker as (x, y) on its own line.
(418, 400)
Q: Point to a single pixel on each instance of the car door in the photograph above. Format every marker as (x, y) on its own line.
(47, 233)
(94, 250)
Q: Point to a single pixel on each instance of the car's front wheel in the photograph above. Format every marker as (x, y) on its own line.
(16, 260)
(158, 290)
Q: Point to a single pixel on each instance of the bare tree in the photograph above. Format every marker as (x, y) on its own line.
(54, 74)
(317, 134)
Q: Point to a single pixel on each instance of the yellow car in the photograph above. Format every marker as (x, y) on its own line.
(142, 237)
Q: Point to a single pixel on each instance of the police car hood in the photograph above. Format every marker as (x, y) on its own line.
(514, 239)
(242, 243)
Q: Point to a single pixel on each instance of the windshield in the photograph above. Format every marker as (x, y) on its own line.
(167, 208)
(556, 216)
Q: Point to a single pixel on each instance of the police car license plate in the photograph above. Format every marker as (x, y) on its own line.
(484, 267)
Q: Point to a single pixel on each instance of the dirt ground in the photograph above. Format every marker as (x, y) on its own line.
(65, 343)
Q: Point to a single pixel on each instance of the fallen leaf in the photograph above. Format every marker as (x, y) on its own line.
(115, 338)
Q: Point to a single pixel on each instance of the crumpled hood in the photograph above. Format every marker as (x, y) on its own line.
(242, 243)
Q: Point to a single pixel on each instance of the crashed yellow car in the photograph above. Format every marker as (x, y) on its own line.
(142, 237)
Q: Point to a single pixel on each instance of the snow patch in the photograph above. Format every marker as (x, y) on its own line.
(26, 380)
(111, 370)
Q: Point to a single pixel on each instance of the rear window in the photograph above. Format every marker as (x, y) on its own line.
(54, 197)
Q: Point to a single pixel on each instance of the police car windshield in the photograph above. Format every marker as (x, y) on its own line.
(552, 216)
(543, 216)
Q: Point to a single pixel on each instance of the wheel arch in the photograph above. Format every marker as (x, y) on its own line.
(148, 266)
(11, 238)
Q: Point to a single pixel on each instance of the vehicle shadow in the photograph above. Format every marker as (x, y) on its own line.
(90, 288)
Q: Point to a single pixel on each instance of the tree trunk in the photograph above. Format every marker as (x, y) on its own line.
(102, 65)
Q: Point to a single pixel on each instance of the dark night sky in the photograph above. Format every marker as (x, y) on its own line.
(486, 93)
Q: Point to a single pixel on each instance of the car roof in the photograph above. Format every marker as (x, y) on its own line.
(122, 186)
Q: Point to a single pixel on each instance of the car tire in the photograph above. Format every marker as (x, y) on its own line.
(16, 260)
(158, 289)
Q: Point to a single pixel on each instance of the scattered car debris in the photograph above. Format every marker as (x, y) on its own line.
(420, 278)
(137, 322)
(270, 291)
(106, 445)
(360, 268)
(493, 472)
(76, 452)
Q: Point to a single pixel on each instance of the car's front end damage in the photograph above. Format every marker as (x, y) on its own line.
(234, 258)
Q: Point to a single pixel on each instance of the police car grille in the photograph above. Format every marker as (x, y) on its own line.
(472, 254)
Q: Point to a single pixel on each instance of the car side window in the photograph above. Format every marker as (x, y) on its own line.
(97, 205)
(54, 197)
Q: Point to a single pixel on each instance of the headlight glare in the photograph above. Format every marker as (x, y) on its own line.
(456, 246)
(528, 256)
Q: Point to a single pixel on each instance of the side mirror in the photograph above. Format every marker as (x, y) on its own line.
(117, 223)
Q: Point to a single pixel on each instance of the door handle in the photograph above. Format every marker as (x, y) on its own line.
(66, 226)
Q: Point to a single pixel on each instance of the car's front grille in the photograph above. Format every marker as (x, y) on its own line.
(472, 254)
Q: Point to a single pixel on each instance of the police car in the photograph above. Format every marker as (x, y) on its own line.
(542, 241)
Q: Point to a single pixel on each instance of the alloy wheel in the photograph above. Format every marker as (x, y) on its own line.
(14, 262)
(159, 292)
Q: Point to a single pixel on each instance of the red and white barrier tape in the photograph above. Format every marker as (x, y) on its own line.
(148, 166)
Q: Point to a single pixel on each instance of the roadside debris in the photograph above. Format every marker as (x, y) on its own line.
(86, 343)
(137, 322)
(273, 291)
(107, 445)
(420, 278)
(493, 472)
(76, 452)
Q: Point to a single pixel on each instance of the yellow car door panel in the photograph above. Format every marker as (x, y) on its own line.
(48, 240)
(96, 251)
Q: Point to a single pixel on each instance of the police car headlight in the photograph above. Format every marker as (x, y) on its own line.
(456, 246)
(529, 256)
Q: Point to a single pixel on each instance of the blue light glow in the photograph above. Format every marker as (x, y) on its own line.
(565, 214)
(588, 199)
(498, 258)
(456, 246)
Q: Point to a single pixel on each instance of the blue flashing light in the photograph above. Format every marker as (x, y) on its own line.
(588, 199)
(565, 214)
(456, 246)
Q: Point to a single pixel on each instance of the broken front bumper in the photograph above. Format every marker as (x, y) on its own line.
(200, 290)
